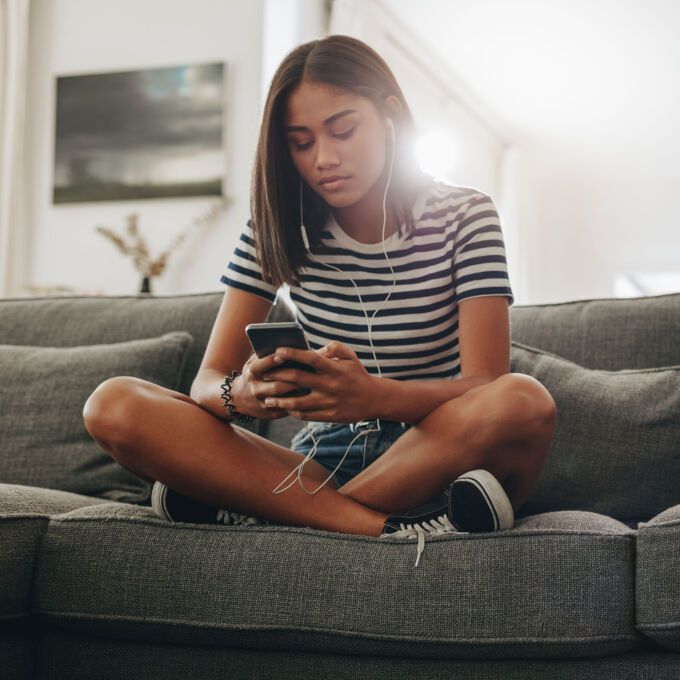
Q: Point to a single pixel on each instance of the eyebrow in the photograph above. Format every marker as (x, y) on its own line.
(328, 121)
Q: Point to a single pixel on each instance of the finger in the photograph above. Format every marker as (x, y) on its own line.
(339, 350)
(318, 416)
(293, 375)
(260, 365)
(274, 389)
(304, 403)
(324, 352)
(304, 356)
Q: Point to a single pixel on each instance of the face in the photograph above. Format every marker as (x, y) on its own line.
(334, 133)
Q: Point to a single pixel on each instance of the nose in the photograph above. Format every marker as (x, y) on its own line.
(326, 154)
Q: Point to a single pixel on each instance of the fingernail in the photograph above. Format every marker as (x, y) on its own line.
(270, 402)
(282, 351)
(266, 377)
(278, 358)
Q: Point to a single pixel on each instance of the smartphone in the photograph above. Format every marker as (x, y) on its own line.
(266, 337)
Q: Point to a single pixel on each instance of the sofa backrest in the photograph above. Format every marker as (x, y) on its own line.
(71, 321)
(608, 333)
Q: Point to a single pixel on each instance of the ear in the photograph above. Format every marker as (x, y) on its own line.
(394, 109)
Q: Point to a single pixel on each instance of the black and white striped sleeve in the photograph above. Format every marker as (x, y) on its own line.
(244, 271)
(479, 260)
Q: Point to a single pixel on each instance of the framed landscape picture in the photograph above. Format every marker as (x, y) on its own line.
(155, 133)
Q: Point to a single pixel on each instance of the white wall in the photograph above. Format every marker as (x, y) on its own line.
(574, 215)
(582, 225)
(440, 103)
(466, 142)
(589, 91)
(72, 37)
(287, 24)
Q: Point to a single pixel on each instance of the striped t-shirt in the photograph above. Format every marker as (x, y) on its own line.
(456, 251)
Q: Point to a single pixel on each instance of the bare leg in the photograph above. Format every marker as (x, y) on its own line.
(164, 435)
(504, 427)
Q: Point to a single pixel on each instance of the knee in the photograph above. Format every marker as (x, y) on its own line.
(110, 410)
(512, 407)
(528, 399)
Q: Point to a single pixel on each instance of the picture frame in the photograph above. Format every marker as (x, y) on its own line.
(128, 135)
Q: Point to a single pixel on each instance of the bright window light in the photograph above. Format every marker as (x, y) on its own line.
(436, 154)
(637, 284)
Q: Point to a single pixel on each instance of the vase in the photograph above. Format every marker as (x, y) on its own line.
(146, 285)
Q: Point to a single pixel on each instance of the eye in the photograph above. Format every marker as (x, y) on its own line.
(345, 135)
(302, 147)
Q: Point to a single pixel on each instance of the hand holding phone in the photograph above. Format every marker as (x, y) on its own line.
(265, 338)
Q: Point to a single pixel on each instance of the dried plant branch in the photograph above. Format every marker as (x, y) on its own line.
(134, 244)
(117, 240)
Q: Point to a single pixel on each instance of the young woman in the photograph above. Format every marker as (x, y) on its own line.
(405, 304)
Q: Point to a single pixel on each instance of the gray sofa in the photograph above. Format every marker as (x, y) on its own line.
(94, 585)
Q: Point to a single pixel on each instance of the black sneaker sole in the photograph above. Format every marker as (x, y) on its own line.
(479, 503)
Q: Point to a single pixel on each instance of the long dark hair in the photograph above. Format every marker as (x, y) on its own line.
(346, 63)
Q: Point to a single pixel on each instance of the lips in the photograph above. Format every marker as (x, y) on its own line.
(331, 178)
(332, 182)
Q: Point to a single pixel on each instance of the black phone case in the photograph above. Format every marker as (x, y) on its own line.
(266, 340)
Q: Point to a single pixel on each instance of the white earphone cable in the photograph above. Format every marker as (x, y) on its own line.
(369, 324)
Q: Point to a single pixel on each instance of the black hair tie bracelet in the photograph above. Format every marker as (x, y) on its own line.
(226, 395)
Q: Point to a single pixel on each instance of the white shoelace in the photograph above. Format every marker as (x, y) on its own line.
(441, 525)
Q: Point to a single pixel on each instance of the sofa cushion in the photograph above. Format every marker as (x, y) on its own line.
(657, 578)
(91, 320)
(43, 439)
(557, 585)
(607, 333)
(24, 514)
(18, 651)
(615, 446)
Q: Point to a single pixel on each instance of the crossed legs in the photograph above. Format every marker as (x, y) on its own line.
(159, 434)
(505, 427)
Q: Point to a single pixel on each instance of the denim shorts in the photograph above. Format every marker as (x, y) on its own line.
(334, 438)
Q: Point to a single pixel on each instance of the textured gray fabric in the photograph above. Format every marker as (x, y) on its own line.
(43, 438)
(91, 320)
(17, 655)
(24, 514)
(17, 500)
(616, 445)
(658, 578)
(605, 333)
(196, 601)
(117, 570)
(80, 658)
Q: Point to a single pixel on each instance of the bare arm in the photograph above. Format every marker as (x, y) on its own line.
(228, 348)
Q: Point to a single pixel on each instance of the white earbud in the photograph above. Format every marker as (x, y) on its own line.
(303, 231)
